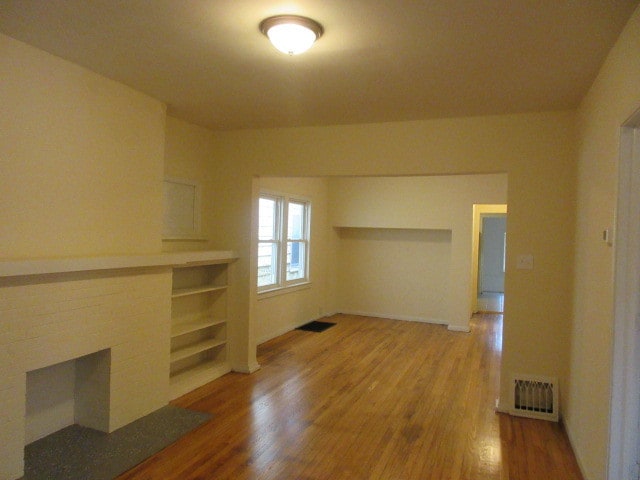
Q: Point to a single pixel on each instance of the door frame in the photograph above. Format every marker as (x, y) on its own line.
(624, 436)
(478, 211)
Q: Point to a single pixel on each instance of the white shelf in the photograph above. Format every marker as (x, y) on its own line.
(191, 350)
(199, 304)
(42, 266)
(188, 380)
(188, 327)
(183, 292)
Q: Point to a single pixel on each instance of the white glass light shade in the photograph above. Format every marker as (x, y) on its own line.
(291, 34)
(291, 39)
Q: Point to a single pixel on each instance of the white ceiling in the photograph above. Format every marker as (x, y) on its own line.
(377, 61)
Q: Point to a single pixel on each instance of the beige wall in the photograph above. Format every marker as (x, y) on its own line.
(191, 153)
(80, 158)
(82, 163)
(431, 202)
(413, 259)
(417, 202)
(278, 313)
(612, 99)
(537, 151)
(394, 273)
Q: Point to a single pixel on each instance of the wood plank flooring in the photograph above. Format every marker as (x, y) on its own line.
(366, 399)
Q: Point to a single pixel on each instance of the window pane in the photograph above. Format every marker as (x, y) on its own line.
(267, 220)
(296, 261)
(295, 226)
(267, 264)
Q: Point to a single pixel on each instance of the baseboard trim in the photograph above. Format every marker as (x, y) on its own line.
(575, 452)
(458, 328)
(500, 408)
(246, 368)
(288, 328)
(277, 333)
(404, 318)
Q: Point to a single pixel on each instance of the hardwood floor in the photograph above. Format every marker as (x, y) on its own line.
(367, 399)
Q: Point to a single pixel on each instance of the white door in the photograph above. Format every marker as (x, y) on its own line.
(624, 446)
(492, 246)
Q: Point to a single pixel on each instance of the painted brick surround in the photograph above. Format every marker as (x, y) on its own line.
(46, 319)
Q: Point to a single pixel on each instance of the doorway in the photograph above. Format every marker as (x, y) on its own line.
(492, 262)
(489, 258)
(624, 445)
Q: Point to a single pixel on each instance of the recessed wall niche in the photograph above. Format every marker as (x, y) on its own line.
(67, 393)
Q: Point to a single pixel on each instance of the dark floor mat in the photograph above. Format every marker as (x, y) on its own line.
(77, 452)
(316, 326)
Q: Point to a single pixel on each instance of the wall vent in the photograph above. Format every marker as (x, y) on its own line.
(535, 397)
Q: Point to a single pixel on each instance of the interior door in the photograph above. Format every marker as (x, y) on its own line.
(492, 250)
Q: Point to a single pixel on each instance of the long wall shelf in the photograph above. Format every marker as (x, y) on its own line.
(44, 266)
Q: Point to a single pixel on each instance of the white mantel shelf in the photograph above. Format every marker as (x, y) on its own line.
(19, 268)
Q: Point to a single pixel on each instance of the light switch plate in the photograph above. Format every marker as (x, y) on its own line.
(525, 262)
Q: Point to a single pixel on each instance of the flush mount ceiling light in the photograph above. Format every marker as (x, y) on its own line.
(291, 34)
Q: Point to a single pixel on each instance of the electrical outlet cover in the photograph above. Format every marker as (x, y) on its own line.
(525, 262)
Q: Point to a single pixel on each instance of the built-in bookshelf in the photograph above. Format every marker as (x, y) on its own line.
(199, 324)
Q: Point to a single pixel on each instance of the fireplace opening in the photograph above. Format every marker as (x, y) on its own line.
(67, 393)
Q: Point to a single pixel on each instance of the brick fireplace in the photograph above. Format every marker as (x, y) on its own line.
(102, 326)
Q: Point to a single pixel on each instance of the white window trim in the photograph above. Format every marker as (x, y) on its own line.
(274, 292)
(283, 285)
